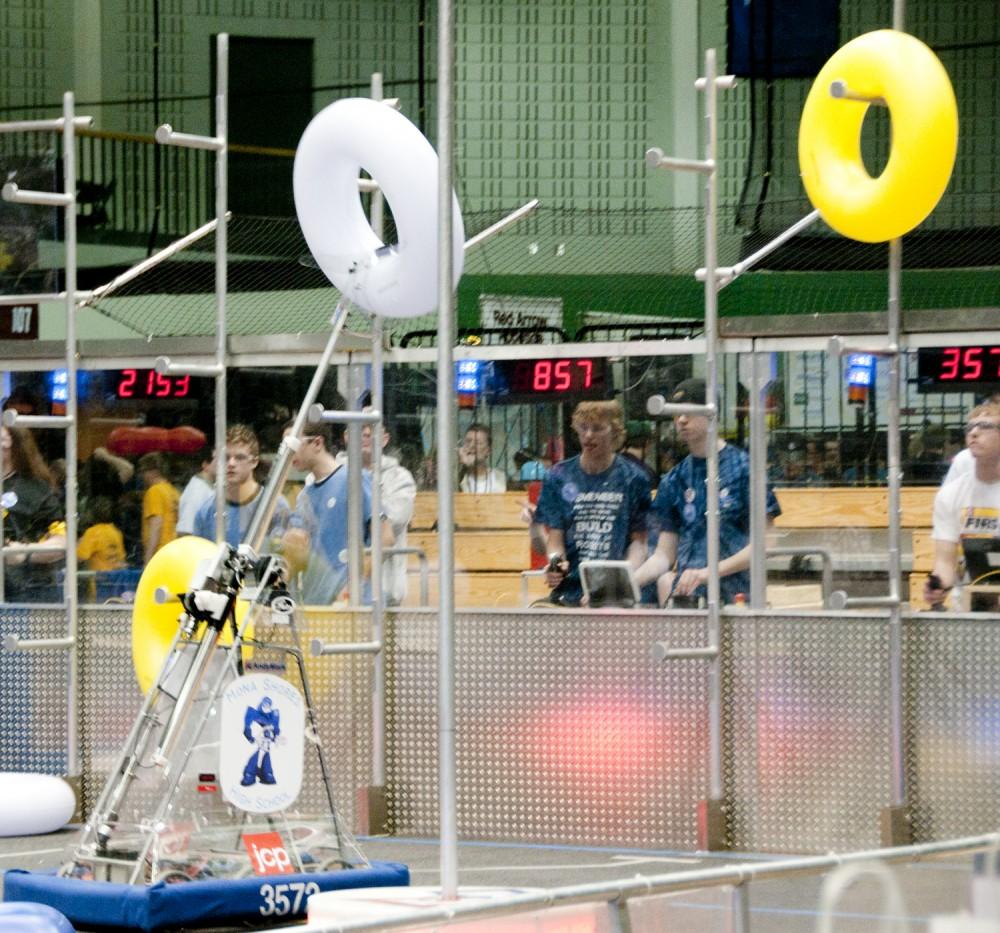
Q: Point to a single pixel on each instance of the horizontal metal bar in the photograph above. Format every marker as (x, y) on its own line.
(317, 414)
(103, 291)
(840, 600)
(726, 274)
(722, 82)
(512, 218)
(656, 159)
(837, 347)
(658, 405)
(644, 886)
(15, 643)
(44, 126)
(166, 136)
(12, 418)
(661, 652)
(841, 91)
(28, 299)
(166, 367)
(318, 647)
(11, 192)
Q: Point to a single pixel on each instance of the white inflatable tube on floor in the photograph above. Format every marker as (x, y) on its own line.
(32, 804)
(356, 133)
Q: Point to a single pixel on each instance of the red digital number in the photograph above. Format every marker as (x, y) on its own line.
(126, 385)
(164, 386)
(949, 366)
(995, 351)
(972, 365)
(542, 381)
(588, 371)
(563, 377)
(182, 386)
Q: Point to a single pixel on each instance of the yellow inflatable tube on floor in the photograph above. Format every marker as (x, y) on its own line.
(905, 73)
(154, 625)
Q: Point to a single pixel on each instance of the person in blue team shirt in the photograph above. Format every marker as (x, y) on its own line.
(315, 544)
(593, 506)
(679, 563)
(243, 492)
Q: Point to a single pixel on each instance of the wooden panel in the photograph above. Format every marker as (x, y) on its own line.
(794, 596)
(497, 510)
(477, 590)
(916, 592)
(479, 550)
(819, 507)
(917, 506)
(923, 550)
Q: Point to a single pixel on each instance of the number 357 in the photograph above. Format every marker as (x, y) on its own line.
(282, 899)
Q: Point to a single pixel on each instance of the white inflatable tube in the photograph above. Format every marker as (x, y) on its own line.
(31, 804)
(397, 281)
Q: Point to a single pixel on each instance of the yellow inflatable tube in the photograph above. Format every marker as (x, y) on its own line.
(154, 625)
(909, 77)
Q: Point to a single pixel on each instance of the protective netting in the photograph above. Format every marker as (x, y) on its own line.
(626, 262)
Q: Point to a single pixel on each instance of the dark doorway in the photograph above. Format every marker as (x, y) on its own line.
(270, 104)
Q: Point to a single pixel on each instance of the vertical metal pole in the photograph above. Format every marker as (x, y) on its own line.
(445, 460)
(739, 908)
(378, 600)
(355, 490)
(893, 466)
(712, 458)
(221, 284)
(894, 470)
(758, 480)
(69, 580)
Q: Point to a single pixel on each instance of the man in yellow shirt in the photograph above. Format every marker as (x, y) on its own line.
(159, 505)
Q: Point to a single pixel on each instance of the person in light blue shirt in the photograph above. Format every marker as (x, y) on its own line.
(243, 492)
(593, 506)
(315, 544)
(679, 563)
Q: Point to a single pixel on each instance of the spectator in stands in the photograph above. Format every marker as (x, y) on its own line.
(967, 506)
(638, 438)
(397, 494)
(679, 563)
(159, 505)
(32, 515)
(475, 472)
(315, 543)
(199, 489)
(101, 547)
(925, 455)
(530, 466)
(593, 506)
(243, 492)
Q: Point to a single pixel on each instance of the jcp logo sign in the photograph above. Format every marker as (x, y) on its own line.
(268, 855)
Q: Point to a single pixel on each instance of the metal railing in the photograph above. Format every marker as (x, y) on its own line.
(617, 894)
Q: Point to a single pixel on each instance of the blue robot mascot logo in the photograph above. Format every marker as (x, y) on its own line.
(261, 726)
(265, 715)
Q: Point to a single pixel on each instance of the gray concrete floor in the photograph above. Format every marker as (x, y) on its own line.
(780, 906)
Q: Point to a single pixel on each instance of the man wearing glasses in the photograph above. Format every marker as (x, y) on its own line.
(967, 507)
(315, 545)
(243, 492)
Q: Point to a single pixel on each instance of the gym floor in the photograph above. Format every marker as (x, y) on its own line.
(780, 906)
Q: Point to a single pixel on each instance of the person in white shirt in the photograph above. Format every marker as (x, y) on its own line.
(969, 505)
(199, 489)
(397, 494)
(475, 473)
